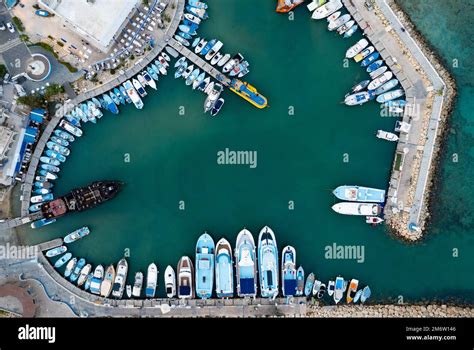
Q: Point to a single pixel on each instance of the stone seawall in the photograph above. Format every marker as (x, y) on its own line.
(397, 311)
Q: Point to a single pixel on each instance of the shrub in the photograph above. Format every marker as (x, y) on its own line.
(18, 24)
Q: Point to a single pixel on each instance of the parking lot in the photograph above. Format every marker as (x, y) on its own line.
(5, 35)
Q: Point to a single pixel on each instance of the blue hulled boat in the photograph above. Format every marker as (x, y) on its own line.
(61, 261)
(268, 263)
(246, 264)
(64, 135)
(77, 270)
(111, 106)
(119, 96)
(125, 95)
(205, 266)
(224, 269)
(308, 287)
(288, 271)
(360, 194)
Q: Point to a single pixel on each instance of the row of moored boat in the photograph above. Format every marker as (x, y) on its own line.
(212, 273)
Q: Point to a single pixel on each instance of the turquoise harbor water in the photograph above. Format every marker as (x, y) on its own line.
(300, 158)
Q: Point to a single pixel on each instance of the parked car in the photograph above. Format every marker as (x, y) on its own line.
(10, 27)
(2, 26)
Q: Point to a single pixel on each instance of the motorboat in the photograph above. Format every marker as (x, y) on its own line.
(64, 135)
(217, 107)
(148, 80)
(334, 24)
(352, 290)
(359, 98)
(192, 18)
(77, 270)
(366, 293)
(356, 208)
(339, 287)
(308, 288)
(379, 71)
(330, 289)
(56, 251)
(224, 269)
(180, 62)
(96, 281)
(200, 46)
(192, 76)
(288, 271)
(181, 40)
(208, 47)
(212, 97)
(232, 63)
(70, 267)
(315, 4)
(391, 95)
(369, 59)
(322, 291)
(204, 84)
(133, 94)
(268, 263)
(374, 66)
(316, 287)
(61, 261)
(216, 58)
(139, 88)
(77, 234)
(198, 80)
(151, 280)
(358, 47)
(385, 135)
(360, 86)
(205, 250)
(181, 69)
(351, 31)
(188, 71)
(364, 53)
(223, 60)
(373, 220)
(170, 282)
(359, 194)
(345, 27)
(245, 264)
(214, 50)
(382, 79)
(84, 274)
(334, 16)
(137, 285)
(107, 283)
(386, 87)
(70, 128)
(185, 273)
(120, 279)
(327, 9)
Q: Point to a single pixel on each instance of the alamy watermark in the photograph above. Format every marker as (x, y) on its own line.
(229, 157)
(345, 252)
(9, 251)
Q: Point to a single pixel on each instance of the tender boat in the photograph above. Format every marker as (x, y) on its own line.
(268, 263)
(366, 293)
(77, 234)
(359, 98)
(84, 274)
(385, 135)
(386, 87)
(107, 284)
(333, 25)
(352, 290)
(360, 209)
(128, 290)
(327, 9)
(331, 285)
(382, 79)
(339, 288)
(308, 288)
(185, 272)
(170, 282)
(137, 286)
(245, 264)
(364, 53)
(358, 47)
(165, 56)
(151, 280)
(205, 250)
(61, 261)
(120, 279)
(172, 51)
(69, 267)
(357, 296)
(391, 95)
(300, 281)
(373, 220)
(360, 194)
(217, 107)
(369, 59)
(96, 280)
(224, 270)
(288, 271)
(133, 95)
(56, 251)
(77, 270)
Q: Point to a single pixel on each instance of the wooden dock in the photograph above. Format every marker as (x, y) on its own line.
(199, 62)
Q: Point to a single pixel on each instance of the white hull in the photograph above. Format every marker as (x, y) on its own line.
(355, 208)
(170, 282)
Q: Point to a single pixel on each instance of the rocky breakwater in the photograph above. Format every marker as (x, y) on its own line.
(399, 311)
(399, 223)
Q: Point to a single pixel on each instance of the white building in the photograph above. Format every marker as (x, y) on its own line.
(97, 21)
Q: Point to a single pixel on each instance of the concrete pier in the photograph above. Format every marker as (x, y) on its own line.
(50, 244)
(199, 62)
(425, 92)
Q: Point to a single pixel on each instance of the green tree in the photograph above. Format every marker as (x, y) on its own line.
(53, 90)
(32, 101)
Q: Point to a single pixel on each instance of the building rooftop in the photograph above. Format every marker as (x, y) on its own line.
(97, 20)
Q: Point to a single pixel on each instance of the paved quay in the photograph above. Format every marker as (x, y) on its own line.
(73, 301)
(414, 153)
(139, 66)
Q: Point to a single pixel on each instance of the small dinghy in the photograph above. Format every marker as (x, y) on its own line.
(366, 292)
(357, 296)
(385, 135)
(352, 290)
(300, 281)
(129, 291)
(308, 288)
(373, 220)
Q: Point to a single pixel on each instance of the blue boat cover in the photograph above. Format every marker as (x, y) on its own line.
(37, 115)
(149, 292)
(247, 286)
(184, 290)
(290, 287)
